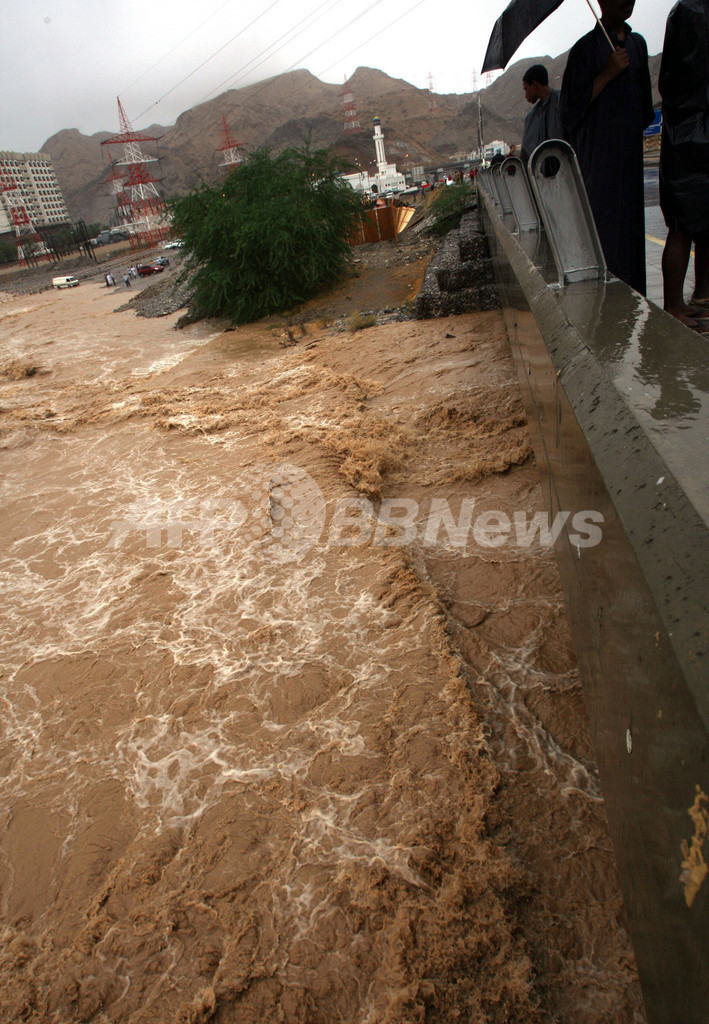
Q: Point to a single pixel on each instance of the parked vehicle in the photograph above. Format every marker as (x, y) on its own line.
(69, 281)
(176, 244)
(146, 269)
(162, 261)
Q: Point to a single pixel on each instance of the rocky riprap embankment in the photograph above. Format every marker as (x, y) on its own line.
(460, 278)
(160, 298)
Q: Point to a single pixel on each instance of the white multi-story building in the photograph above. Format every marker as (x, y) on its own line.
(494, 148)
(34, 176)
(5, 222)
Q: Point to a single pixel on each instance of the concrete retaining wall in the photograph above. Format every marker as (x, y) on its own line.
(617, 396)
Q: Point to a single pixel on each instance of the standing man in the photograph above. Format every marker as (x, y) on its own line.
(684, 157)
(544, 119)
(606, 103)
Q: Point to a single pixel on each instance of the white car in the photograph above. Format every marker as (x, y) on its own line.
(177, 244)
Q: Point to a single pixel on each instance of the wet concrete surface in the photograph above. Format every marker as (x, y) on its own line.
(616, 394)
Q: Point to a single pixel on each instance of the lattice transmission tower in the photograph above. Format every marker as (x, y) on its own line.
(140, 207)
(432, 101)
(120, 200)
(229, 148)
(351, 121)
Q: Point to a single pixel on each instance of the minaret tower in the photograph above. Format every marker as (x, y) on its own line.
(379, 146)
(147, 220)
(232, 156)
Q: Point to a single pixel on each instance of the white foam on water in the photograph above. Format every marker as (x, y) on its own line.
(178, 634)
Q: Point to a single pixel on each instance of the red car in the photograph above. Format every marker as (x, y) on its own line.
(144, 270)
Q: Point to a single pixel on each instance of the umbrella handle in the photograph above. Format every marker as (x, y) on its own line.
(610, 43)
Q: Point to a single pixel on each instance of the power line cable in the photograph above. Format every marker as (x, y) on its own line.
(320, 45)
(330, 38)
(175, 47)
(246, 69)
(211, 57)
(366, 41)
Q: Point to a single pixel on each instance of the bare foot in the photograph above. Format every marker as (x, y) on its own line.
(681, 315)
(697, 312)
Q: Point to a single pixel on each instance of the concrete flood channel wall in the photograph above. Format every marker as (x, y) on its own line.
(617, 397)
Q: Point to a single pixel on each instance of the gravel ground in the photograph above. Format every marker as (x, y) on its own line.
(39, 279)
(160, 298)
(166, 294)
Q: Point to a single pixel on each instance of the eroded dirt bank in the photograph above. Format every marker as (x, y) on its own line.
(267, 755)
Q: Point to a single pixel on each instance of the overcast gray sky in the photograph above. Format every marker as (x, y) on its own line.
(64, 62)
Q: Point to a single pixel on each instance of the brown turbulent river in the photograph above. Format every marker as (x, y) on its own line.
(268, 756)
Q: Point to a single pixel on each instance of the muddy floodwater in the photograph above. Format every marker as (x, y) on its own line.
(292, 729)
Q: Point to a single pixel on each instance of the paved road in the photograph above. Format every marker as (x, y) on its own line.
(655, 234)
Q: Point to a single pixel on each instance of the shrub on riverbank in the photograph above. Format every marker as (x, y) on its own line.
(448, 204)
(269, 237)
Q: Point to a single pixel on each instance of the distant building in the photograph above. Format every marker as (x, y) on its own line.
(34, 176)
(5, 224)
(387, 178)
(493, 148)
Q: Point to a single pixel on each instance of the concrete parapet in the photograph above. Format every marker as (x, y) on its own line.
(617, 396)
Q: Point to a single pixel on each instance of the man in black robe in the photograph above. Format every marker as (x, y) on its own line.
(606, 103)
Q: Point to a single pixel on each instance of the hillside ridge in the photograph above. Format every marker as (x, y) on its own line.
(284, 110)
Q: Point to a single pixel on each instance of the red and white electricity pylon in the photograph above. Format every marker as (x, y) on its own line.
(229, 148)
(140, 207)
(351, 121)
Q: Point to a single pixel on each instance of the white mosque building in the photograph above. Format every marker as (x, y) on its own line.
(387, 178)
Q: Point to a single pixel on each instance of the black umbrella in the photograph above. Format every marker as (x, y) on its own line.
(518, 20)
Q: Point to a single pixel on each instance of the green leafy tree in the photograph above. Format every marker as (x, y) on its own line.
(272, 235)
(448, 204)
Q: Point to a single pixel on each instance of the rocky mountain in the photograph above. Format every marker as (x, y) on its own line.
(419, 129)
